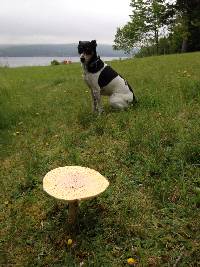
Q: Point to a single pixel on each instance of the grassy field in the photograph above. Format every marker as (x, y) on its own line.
(149, 153)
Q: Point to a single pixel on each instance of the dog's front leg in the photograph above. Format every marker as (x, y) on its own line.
(96, 100)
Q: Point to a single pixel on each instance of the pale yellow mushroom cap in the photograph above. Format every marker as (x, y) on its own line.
(74, 183)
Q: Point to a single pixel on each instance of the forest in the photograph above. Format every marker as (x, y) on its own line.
(159, 27)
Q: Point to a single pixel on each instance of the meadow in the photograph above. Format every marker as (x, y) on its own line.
(150, 153)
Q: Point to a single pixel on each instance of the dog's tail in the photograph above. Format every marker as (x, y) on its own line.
(134, 98)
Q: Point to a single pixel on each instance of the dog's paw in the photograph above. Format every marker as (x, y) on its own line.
(100, 110)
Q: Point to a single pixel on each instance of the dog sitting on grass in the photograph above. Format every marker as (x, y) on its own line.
(103, 80)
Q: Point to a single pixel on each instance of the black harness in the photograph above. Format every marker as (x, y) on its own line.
(95, 65)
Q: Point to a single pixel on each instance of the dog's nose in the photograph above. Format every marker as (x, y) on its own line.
(82, 59)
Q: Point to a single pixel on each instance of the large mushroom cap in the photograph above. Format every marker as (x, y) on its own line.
(74, 183)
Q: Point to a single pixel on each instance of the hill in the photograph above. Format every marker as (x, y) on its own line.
(150, 153)
(59, 50)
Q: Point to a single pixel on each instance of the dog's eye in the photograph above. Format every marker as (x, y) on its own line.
(87, 51)
(80, 50)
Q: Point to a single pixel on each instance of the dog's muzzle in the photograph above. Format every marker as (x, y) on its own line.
(82, 59)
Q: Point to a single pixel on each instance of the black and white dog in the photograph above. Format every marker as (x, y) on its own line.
(103, 80)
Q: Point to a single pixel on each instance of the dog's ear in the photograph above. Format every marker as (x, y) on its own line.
(94, 43)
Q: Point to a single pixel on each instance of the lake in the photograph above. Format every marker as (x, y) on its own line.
(39, 61)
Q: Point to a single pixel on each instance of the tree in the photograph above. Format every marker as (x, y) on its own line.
(188, 13)
(147, 24)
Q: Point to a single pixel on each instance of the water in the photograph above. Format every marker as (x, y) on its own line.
(39, 61)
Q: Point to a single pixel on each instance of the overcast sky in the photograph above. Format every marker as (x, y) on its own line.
(61, 21)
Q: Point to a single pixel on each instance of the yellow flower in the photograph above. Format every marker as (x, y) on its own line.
(69, 242)
(131, 261)
(16, 133)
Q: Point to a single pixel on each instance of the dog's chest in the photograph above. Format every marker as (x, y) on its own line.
(91, 79)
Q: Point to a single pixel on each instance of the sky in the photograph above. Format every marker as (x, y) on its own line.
(61, 21)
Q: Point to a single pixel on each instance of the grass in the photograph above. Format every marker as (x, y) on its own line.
(150, 154)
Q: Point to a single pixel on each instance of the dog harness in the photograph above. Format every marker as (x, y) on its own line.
(95, 65)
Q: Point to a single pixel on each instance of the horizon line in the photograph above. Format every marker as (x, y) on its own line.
(51, 44)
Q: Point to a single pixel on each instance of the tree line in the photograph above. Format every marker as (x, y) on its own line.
(161, 27)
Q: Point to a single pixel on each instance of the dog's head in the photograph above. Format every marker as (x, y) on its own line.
(87, 50)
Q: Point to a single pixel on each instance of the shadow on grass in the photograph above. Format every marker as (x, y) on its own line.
(89, 217)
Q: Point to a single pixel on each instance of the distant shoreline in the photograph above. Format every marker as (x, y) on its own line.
(13, 62)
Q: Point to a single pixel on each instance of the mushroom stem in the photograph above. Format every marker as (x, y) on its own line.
(72, 213)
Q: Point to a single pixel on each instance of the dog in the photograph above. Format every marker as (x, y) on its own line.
(103, 80)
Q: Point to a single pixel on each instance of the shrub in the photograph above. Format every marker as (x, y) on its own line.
(54, 62)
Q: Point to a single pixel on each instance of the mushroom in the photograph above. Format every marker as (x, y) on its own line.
(74, 183)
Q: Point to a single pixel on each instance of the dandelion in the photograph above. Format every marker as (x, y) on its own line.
(16, 133)
(131, 261)
(69, 242)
